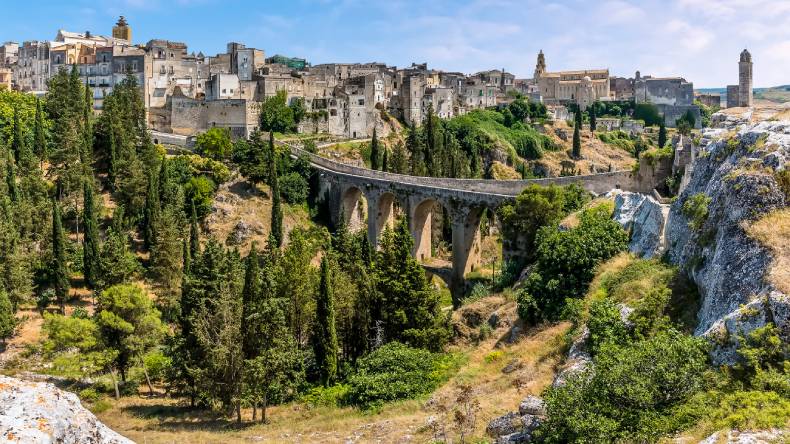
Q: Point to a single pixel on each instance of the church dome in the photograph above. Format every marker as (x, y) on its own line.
(586, 80)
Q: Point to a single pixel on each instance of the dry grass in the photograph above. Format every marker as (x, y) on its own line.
(239, 201)
(596, 155)
(500, 171)
(537, 354)
(773, 232)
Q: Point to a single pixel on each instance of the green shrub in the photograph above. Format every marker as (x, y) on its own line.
(695, 208)
(566, 261)
(619, 138)
(157, 364)
(332, 396)
(605, 325)
(294, 188)
(783, 179)
(751, 410)
(100, 406)
(89, 395)
(630, 395)
(396, 371)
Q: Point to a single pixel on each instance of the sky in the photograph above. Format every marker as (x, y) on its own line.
(699, 40)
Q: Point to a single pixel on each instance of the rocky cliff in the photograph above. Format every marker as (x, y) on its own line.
(734, 182)
(37, 412)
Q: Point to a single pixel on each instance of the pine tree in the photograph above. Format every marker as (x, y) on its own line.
(7, 319)
(39, 138)
(87, 127)
(325, 335)
(662, 134)
(90, 247)
(375, 155)
(166, 261)
(408, 308)
(194, 233)
(59, 268)
(277, 211)
(577, 140)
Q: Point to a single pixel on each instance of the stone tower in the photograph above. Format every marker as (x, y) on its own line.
(540, 68)
(121, 30)
(745, 79)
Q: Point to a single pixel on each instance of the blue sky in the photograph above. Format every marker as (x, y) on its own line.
(697, 39)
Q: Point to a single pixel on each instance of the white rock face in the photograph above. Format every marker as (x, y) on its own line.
(644, 218)
(749, 437)
(37, 412)
(727, 265)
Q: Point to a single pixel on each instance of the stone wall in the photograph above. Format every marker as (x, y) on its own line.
(187, 116)
(672, 113)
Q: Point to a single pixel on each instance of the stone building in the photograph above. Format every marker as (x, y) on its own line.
(169, 66)
(742, 93)
(32, 70)
(673, 96)
(503, 80)
(581, 87)
(712, 100)
(9, 53)
(6, 78)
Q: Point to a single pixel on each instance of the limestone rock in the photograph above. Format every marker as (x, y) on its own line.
(644, 218)
(35, 412)
(507, 424)
(727, 265)
(514, 438)
(578, 360)
(746, 437)
(532, 405)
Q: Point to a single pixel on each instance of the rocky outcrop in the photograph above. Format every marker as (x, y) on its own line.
(517, 427)
(733, 184)
(746, 437)
(36, 412)
(644, 218)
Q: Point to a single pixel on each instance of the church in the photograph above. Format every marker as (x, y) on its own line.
(581, 87)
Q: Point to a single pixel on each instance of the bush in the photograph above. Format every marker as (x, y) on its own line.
(695, 208)
(89, 395)
(294, 188)
(648, 113)
(566, 261)
(332, 396)
(214, 143)
(605, 325)
(396, 371)
(631, 393)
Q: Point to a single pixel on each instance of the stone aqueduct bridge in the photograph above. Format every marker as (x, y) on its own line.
(463, 199)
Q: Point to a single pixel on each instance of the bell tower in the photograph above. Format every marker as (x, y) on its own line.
(540, 67)
(122, 31)
(745, 79)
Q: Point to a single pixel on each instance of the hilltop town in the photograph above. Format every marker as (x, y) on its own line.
(187, 93)
(252, 248)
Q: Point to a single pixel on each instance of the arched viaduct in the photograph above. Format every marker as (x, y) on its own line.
(462, 199)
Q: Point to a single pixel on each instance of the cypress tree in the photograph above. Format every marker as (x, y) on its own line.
(87, 130)
(186, 257)
(592, 118)
(10, 179)
(277, 211)
(375, 155)
(16, 137)
(577, 140)
(194, 234)
(39, 138)
(325, 336)
(249, 295)
(59, 268)
(662, 134)
(385, 162)
(90, 247)
(151, 211)
(112, 167)
(7, 319)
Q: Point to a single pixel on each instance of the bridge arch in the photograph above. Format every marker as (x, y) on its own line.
(424, 212)
(387, 210)
(352, 205)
